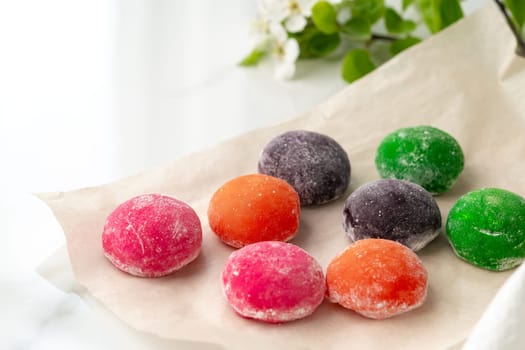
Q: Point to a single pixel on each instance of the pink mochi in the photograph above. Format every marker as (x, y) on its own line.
(152, 235)
(273, 282)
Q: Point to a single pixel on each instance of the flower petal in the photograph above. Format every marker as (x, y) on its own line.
(306, 6)
(259, 26)
(259, 32)
(291, 50)
(278, 32)
(295, 23)
(273, 10)
(284, 70)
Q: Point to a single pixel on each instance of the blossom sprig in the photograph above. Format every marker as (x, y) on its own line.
(291, 30)
(292, 13)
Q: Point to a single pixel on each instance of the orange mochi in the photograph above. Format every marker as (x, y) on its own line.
(377, 278)
(254, 208)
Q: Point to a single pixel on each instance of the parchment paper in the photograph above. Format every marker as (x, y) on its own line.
(465, 80)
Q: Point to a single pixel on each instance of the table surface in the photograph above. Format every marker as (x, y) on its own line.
(95, 91)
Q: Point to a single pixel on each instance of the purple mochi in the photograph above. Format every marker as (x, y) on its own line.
(392, 209)
(315, 165)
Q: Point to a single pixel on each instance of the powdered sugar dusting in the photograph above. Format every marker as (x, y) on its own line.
(152, 235)
(314, 164)
(273, 282)
(392, 209)
(486, 227)
(253, 208)
(424, 155)
(377, 278)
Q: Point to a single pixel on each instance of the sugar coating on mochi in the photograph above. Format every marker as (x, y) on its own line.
(254, 208)
(392, 209)
(314, 164)
(273, 282)
(377, 278)
(486, 228)
(424, 155)
(152, 235)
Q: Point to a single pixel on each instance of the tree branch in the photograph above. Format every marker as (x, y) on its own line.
(520, 48)
(383, 37)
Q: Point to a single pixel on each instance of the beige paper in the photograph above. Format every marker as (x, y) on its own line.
(466, 81)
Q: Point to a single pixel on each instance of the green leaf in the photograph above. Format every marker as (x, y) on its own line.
(324, 17)
(372, 10)
(517, 9)
(450, 11)
(407, 3)
(393, 21)
(409, 26)
(253, 58)
(358, 29)
(439, 14)
(397, 25)
(314, 43)
(402, 44)
(357, 63)
(426, 7)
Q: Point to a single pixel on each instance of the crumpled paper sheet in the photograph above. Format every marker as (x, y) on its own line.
(465, 80)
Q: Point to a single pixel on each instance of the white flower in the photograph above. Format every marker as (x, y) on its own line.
(271, 37)
(260, 33)
(344, 15)
(288, 53)
(292, 12)
(295, 23)
(285, 52)
(272, 10)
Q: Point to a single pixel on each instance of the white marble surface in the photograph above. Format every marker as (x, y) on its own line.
(92, 91)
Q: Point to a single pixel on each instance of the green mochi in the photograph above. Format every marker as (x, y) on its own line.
(424, 155)
(487, 228)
